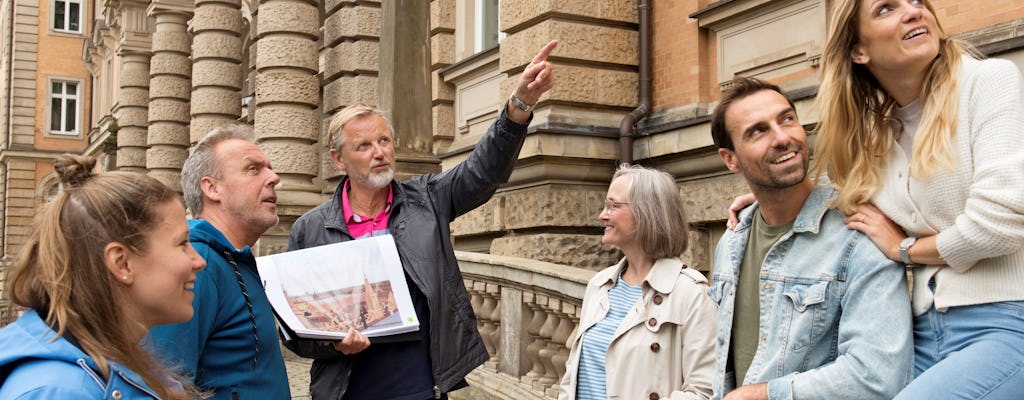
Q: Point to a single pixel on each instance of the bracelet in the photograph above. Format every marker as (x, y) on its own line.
(519, 103)
(905, 249)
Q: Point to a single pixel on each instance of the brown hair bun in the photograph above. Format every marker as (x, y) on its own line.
(73, 169)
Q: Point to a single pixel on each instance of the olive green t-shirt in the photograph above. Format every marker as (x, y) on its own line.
(747, 307)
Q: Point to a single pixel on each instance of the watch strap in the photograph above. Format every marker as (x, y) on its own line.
(905, 249)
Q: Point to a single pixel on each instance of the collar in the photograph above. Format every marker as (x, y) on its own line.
(349, 215)
(811, 214)
(662, 276)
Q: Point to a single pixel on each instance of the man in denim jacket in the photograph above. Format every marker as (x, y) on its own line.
(807, 308)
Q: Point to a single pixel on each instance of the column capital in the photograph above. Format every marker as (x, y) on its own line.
(184, 8)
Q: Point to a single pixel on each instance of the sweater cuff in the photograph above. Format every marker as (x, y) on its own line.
(955, 250)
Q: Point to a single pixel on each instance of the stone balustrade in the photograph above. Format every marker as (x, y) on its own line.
(526, 311)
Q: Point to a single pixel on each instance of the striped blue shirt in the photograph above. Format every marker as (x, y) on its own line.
(591, 374)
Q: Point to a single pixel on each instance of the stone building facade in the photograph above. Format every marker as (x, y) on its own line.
(161, 73)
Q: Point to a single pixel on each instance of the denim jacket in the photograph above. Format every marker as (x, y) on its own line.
(835, 312)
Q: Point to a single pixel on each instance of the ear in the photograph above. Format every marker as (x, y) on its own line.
(210, 188)
(115, 256)
(337, 161)
(858, 56)
(729, 158)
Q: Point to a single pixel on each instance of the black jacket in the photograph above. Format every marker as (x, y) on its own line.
(422, 209)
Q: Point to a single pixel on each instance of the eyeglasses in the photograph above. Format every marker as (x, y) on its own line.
(610, 207)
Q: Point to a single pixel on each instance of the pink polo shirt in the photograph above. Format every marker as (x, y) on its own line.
(362, 226)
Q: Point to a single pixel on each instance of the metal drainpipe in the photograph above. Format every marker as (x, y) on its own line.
(644, 97)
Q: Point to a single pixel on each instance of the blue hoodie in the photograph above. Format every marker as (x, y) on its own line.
(228, 349)
(35, 366)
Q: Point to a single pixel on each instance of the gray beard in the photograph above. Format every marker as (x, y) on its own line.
(381, 180)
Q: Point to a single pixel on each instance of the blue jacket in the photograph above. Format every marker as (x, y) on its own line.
(34, 366)
(835, 312)
(220, 346)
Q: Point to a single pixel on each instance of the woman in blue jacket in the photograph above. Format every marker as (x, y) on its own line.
(109, 259)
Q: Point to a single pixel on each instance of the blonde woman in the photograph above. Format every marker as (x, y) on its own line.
(109, 259)
(923, 142)
(647, 325)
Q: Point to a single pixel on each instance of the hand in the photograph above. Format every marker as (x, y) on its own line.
(535, 80)
(756, 391)
(353, 343)
(738, 204)
(884, 233)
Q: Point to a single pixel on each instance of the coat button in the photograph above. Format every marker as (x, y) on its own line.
(116, 395)
(652, 322)
(657, 299)
(655, 347)
(654, 396)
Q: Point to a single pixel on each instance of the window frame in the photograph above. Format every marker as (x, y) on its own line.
(78, 96)
(67, 17)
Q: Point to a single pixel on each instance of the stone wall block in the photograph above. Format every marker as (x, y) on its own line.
(132, 137)
(173, 41)
(217, 17)
(216, 101)
(288, 17)
(199, 127)
(132, 116)
(559, 206)
(442, 15)
(444, 120)
(170, 64)
(135, 75)
(168, 110)
(516, 14)
(171, 179)
(216, 73)
(332, 4)
(590, 85)
(133, 96)
(168, 134)
(287, 51)
(441, 90)
(352, 22)
(170, 86)
(442, 49)
(166, 157)
(592, 43)
(293, 157)
(287, 87)
(288, 122)
(217, 45)
(131, 157)
(352, 57)
(582, 251)
(350, 90)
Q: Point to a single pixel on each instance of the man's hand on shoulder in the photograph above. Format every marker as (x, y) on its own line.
(536, 79)
(353, 343)
(757, 391)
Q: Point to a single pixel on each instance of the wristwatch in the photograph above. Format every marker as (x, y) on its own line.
(905, 249)
(519, 103)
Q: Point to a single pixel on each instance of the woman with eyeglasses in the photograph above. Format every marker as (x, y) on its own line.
(645, 322)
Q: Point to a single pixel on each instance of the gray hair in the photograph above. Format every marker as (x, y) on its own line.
(661, 226)
(202, 163)
(347, 114)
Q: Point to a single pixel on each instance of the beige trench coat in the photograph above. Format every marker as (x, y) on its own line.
(664, 348)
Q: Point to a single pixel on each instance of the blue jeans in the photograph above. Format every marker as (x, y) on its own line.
(969, 352)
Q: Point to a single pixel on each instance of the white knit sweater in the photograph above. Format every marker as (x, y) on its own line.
(977, 208)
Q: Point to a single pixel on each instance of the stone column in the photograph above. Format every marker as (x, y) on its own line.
(170, 74)
(404, 83)
(287, 98)
(216, 71)
(133, 94)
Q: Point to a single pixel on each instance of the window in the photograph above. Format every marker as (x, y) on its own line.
(486, 30)
(67, 16)
(64, 100)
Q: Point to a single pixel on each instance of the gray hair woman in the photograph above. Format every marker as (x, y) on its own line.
(649, 309)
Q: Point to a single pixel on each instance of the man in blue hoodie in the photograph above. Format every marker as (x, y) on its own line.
(230, 346)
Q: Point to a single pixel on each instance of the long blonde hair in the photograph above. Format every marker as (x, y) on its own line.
(856, 134)
(61, 273)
